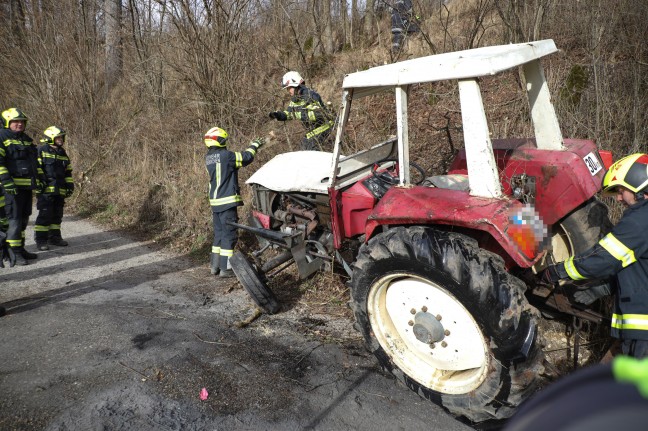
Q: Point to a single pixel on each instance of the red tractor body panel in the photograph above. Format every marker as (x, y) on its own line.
(431, 205)
(557, 182)
(563, 179)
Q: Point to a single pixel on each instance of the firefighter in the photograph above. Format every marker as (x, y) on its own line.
(593, 398)
(20, 176)
(307, 106)
(621, 255)
(403, 22)
(224, 194)
(59, 185)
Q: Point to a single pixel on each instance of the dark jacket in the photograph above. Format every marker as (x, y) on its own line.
(308, 107)
(18, 161)
(222, 166)
(57, 168)
(624, 253)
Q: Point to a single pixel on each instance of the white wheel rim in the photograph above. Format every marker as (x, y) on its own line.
(458, 361)
(561, 246)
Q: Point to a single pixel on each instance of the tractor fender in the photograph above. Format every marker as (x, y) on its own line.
(425, 206)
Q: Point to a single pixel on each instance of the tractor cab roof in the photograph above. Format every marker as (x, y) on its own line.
(465, 67)
(471, 63)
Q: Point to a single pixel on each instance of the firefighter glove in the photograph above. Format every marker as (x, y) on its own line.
(10, 188)
(553, 273)
(40, 186)
(278, 115)
(6, 252)
(258, 143)
(587, 296)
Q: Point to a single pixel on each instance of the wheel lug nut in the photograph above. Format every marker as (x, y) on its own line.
(446, 332)
(444, 344)
(413, 311)
(438, 317)
(432, 345)
(424, 309)
(411, 323)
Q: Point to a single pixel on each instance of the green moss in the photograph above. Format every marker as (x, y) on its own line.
(308, 45)
(575, 84)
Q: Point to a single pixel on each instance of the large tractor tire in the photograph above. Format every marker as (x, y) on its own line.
(574, 234)
(580, 230)
(445, 318)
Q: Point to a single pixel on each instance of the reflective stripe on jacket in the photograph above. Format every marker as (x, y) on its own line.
(57, 168)
(624, 253)
(307, 106)
(222, 166)
(18, 160)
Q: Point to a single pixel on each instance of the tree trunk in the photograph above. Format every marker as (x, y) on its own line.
(369, 20)
(328, 30)
(113, 42)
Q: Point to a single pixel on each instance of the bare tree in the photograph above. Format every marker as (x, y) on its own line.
(113, 18)
(369, 19)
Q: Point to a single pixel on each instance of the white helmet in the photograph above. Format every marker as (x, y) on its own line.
(292, 79)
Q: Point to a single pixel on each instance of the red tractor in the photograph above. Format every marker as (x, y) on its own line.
(442, 267)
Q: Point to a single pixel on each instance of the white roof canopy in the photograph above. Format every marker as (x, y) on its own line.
(453, 65)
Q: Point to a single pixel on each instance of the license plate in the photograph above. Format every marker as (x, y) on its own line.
(593, 163)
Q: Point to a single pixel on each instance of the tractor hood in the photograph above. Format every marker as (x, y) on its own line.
(297, 171)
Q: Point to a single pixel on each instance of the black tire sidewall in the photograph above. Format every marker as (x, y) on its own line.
(496, 303)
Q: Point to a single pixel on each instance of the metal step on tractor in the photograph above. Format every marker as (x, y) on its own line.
(441, 268)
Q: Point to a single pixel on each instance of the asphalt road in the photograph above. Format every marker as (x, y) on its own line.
(109, 333)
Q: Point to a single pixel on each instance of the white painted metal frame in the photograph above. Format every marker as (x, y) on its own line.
(466, 67)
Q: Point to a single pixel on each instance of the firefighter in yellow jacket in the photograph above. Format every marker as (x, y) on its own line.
(55, 163)
(224, 194)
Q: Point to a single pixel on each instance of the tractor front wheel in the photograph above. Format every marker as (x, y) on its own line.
(446, 319)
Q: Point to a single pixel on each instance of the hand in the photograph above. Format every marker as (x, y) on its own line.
(550, 274)
(278, 115)
(588, 296)
(10, 188)
(258, 142)
(6, 253)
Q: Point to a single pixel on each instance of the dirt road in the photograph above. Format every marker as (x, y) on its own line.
(109, 333)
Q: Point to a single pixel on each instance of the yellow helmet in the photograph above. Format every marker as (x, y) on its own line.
(216, 137)
(13, 114)
(630, 172)
(51, 133)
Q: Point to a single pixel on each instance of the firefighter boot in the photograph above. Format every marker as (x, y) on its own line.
(28, 255)
(227, 273)
(226, 268)
(215, 257)
(57, 240)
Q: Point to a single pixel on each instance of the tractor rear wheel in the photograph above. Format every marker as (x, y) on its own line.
(447, 319)
(574, 234)
(579, 231)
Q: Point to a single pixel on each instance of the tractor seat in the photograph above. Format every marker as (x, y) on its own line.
(451, 181)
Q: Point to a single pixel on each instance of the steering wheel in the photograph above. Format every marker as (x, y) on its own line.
(390, 174)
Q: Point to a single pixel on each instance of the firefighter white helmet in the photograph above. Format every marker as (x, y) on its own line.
(292, 79)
